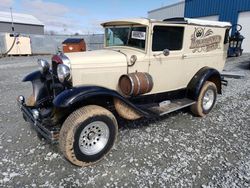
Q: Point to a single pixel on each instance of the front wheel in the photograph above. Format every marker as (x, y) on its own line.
(87, 135)
(206, 99)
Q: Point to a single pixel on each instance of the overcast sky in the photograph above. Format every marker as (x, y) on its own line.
(82, 16)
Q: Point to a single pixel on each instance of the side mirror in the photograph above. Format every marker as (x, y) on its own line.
(166, 52)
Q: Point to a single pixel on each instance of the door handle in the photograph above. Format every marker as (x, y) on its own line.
(184, 56)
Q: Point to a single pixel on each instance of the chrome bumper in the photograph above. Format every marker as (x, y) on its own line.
(51, 134)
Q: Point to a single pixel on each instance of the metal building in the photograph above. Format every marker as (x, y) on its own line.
(165, 12)
(234, 11)
(23, 23)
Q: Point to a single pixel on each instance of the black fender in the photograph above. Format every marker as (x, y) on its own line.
(39, 85)
(32, 76)
(197, 82)
(78, 95)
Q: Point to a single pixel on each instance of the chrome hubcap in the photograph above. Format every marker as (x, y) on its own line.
(208, 99)
(93, 138)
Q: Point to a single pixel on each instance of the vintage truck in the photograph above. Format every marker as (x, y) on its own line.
(147, 68)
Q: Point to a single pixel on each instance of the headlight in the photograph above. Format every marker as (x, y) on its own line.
(63, 73)
(133, 59)
(43, 65)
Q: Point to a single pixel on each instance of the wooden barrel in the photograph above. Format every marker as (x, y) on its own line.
(134, 84)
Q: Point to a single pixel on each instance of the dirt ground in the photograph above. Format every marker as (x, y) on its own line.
(178, 150)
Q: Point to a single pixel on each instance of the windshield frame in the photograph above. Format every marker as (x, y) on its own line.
(125, 46)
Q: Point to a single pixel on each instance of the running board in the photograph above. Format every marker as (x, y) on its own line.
(166, 107)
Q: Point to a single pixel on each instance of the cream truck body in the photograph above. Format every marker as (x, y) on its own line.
(147, 69)
(105, 67)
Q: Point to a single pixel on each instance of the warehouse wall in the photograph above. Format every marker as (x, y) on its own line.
(226, 9)
(49, 44)
(21, 28)
(175, 10)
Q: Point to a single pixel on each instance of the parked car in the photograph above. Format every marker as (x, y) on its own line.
(147, 68)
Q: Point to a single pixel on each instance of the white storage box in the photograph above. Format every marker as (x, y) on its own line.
(21, 45)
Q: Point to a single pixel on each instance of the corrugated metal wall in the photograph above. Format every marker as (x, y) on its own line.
(227, 10)
(175, 10)
(22, 28)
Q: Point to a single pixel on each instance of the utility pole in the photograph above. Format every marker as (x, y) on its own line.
(12, 22)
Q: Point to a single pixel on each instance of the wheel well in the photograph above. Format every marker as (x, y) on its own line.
(217, 81)
(103, 101)
(100, 100)
(198, 80)
(111, 103)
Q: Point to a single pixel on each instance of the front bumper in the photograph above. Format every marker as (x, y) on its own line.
(51, 134)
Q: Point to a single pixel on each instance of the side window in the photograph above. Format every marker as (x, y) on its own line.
(167, 37)
(226, 39)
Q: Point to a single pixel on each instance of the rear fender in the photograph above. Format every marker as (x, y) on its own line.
(197, 82)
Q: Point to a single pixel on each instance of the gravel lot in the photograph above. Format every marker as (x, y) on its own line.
(178, 150)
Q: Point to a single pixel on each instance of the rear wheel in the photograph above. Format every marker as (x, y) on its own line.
(87, 135)
(206, 99)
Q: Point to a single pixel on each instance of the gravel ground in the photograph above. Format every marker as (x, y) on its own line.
(178, 150)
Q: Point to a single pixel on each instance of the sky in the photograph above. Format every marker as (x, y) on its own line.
(81, 16)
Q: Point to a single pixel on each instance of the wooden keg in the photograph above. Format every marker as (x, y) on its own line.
(134, 84)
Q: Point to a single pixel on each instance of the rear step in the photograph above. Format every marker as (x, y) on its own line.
(166, 107)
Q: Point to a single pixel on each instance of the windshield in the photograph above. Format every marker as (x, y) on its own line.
(126, 36)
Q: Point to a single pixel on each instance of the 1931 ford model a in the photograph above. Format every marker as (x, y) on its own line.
(147, 68)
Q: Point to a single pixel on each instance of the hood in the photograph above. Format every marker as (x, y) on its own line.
(102, 58)
(97, 58)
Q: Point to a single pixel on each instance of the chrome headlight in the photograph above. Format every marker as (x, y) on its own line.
(43, 65)
(133, 59)
(63, 73)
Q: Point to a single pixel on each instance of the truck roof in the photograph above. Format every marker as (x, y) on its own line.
(178, 20)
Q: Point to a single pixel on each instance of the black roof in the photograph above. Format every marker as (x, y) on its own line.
(73, 40)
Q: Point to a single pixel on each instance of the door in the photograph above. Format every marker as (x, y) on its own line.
(244, 20)
(167, 71)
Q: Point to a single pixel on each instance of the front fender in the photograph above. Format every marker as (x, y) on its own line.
(32, 76)
(69, 98)
(203, 75)
(39, 85)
